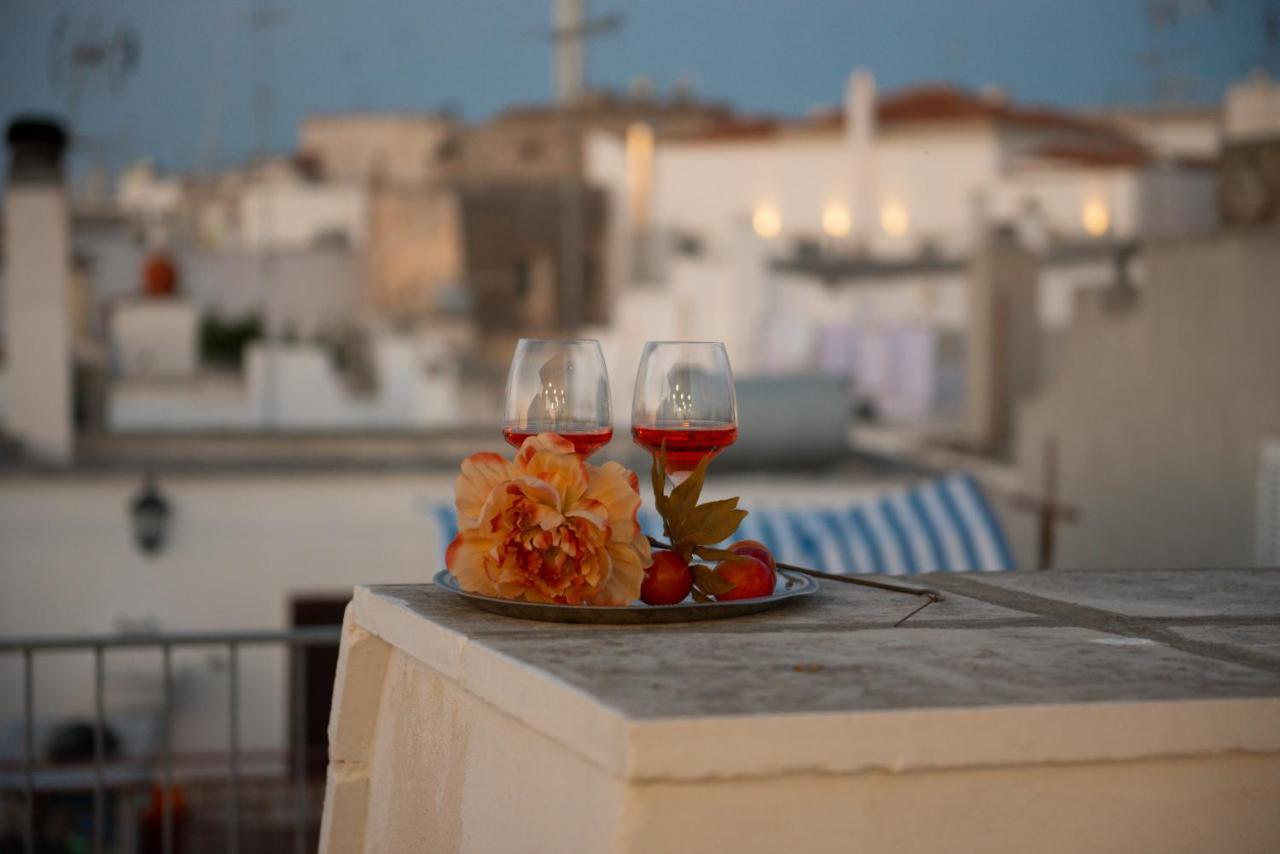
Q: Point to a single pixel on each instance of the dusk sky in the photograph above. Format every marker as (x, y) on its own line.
(200, 61)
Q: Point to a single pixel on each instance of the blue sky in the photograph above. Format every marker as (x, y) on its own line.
(200, 66)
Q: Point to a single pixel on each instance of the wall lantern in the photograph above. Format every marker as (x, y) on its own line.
(150, 514)
(1095, 218)
(766, 221)
(836, 221)
(894, 219)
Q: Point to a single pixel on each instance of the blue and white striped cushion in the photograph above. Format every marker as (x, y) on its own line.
(942, 525)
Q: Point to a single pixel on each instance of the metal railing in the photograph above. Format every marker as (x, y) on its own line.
(294, 639)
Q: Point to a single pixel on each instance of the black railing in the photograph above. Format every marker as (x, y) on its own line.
(295, 639)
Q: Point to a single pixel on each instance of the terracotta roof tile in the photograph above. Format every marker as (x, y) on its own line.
(925, 104)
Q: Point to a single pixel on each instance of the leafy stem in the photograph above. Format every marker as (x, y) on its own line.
(695, 528)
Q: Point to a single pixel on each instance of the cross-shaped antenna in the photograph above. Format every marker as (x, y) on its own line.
(569, 33)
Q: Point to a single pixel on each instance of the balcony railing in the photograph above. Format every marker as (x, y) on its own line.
(28, 649)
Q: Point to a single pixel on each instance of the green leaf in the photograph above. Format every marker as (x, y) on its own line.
(709, 581)
(714, 521)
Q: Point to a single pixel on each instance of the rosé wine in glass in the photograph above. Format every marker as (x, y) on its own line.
(559, 387)
(686, 444)
(684, 398)
(585, 441)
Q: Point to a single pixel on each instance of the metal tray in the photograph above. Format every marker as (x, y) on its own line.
(791, 586)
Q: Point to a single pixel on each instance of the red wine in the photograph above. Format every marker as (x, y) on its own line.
(585, 442)
(687, 442)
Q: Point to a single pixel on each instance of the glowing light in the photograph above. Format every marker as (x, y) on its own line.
(835, 220)
(1095, 218)
(894, 219)
(766, 221)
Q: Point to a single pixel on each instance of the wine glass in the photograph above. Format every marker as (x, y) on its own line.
(561, 387)
(684, 401)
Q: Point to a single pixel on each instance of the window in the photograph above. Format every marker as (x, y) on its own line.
(532, 149)
(687, 244)
(448, 149)
(521, 278)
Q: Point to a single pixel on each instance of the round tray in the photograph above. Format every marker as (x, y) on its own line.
(791, 586)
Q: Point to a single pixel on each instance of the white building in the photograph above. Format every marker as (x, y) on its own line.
(1252, 109)
(298, 387)
(840, 242)
(294, 213)
(272, 205)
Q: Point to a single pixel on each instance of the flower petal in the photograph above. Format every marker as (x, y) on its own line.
(480, 474)
(466, 557)
(566, 473)
(547, 527)
(552, 443)
(622, 587)
(612, 486)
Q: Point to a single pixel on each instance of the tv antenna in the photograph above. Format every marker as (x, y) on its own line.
(1171, 83)
(82, 53)
(570, 31)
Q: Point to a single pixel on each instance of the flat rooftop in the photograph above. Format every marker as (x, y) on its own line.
(1011, 667)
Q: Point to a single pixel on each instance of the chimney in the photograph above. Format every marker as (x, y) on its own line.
(860, 134)
(37, 406)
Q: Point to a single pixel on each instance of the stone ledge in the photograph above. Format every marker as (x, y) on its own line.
(813, 690)
(700, 749)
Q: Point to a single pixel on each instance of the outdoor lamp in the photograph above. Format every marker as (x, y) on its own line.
(1095, 218)
(894, 219)
(150, 514)
(835, 220)
(766, 221)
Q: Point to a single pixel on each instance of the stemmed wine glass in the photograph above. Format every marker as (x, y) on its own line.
(685, 401)
(561, 387)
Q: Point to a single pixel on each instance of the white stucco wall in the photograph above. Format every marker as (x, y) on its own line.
(155, 338)
(241, 547)
(711, 188)
(297, 387)
(296, 214)
(1251, 109)
(1160, 413)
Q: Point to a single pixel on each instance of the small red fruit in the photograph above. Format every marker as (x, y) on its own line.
(667, 581)
(749, 576)
(759, 551)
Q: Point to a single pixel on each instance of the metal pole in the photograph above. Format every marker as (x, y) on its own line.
(166, 757)
(233, 737)
(28, 750)
(99, 784)
(299, 750)
(570, 74)
(572, 266)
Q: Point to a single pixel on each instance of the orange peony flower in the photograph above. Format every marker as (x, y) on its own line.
(548, 527)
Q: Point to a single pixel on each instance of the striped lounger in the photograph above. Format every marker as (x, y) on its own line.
(942, 525)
